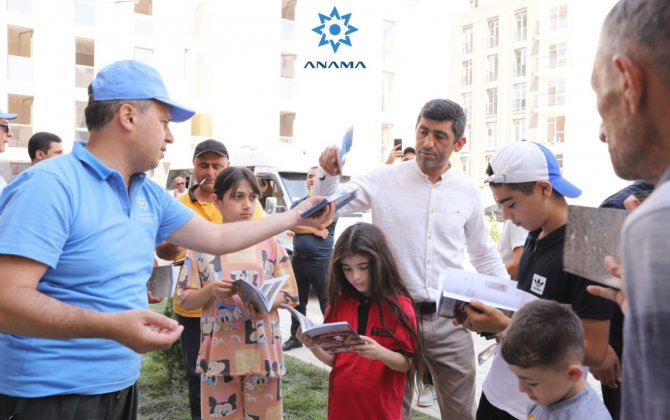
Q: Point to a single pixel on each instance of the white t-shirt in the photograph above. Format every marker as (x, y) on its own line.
(512, 236)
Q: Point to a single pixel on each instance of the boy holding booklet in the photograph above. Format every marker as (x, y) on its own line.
(240, 360)
(365, 290)
(526, 182)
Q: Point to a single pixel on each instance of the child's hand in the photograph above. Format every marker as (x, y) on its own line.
(369, 348)
(224, 289)
(308, 342)
(484, 318)
(252, 312)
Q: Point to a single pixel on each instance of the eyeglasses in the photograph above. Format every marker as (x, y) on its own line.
(180, 183)
(5, 128)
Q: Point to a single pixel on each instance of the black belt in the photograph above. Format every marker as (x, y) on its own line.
(426, 308)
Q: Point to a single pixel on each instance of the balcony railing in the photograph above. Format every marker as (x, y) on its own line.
(519, 105)
(551, 62)
(551, 99)
(19, 68)
(491, 110)
(287, 30)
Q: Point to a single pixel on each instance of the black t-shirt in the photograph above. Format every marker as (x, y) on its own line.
(541, 274)
(309, 246)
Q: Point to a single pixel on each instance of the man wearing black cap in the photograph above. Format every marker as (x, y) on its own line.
(210, 158)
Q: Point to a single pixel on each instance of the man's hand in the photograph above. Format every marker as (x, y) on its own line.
(318, 219)
(394, 154)
(328, 161)
(617, 296)
(609, 372)
(483, 318)
(143, 330)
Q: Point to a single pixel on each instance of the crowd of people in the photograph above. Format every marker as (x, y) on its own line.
(74, 315)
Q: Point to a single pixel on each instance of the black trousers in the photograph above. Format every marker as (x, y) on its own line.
(487, 411)
(119, 405)
(310, 273)
(190, 346)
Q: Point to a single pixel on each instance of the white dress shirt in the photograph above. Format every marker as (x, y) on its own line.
(428, 226)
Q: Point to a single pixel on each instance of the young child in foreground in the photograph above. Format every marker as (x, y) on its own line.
(547, 359)
(365, 289)
(240, 360)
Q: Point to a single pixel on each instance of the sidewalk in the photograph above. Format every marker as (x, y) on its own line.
(306, 356)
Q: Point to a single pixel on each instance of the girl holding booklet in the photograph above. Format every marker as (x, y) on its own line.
(366, 290)
(240, 359)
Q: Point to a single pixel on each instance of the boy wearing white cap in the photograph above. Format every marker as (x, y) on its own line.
(527, 184)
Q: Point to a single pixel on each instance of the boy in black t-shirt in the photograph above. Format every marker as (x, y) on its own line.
(526, 182)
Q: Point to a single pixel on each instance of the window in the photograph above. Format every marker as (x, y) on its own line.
(286, 120)
(559, 158)
(519, 129)
(144, 7)
(519, 62)
(556, 129)
(19, 41)
(388, 40)
(492, 68)
(144, 55)
(467, 104)
(556, 92)
(22, 127)
(558, 17)
(493, 33)
(519, 104)
(465, 165)
(492, 102)
(83, 62)
(521, 29)
(288, 65)
(558, 54)
(467, 39)
(80, 130)
(201, 125)
(491, 142)
(387, 91)
(288, 9)
(84, 12)
(474, 4)
(467, 73)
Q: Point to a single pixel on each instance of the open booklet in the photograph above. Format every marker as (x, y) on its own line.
(261, 297)
(339, 198)
(458, 287)
(333, 337)
(591, 235)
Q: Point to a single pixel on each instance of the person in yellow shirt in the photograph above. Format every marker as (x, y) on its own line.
(210, 158)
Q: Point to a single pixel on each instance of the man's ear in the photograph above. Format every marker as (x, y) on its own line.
(126, 115)
(459, 144)
(39, 155)
(632, 78)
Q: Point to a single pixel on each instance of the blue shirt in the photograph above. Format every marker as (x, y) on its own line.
(75, 215)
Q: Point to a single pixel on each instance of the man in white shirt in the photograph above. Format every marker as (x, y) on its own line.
(5, 135)
(433, 213)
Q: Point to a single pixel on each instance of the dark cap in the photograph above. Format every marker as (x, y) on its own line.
(210, 145)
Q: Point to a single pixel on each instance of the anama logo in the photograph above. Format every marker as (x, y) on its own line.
(335, 29)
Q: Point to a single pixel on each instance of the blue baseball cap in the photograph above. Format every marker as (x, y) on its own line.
(7, 116)
(527, 161)
(130, 80)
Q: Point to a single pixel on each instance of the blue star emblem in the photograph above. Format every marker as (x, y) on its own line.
(335, 29)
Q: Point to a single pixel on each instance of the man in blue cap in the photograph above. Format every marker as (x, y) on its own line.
(73, 270)
(5, 135)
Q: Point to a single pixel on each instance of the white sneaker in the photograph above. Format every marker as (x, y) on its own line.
(426, 396)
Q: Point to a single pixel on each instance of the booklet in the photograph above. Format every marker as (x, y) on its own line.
(347, 142)
(333, 337)
(592, 234)
(261, 297)
(339, 198)
(458, 287)
(161, 283)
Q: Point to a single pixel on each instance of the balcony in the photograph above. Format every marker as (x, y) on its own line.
(287, 89)
(552, 62)
(551, 99)
(287, 30)
(519, 105)
(83, 76)
(491, 110)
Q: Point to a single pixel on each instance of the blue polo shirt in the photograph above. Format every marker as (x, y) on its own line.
(75, 215)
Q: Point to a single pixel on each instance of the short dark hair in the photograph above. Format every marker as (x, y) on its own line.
(99, 113)
(544, 334)
(525, 187)
(445, 110)
(642, 28)
(41, 141)
(230, 178)
(409, 149)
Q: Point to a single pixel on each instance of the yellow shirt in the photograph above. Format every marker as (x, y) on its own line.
(209, 212)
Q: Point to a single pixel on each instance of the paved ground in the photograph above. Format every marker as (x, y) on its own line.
(305, 355)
